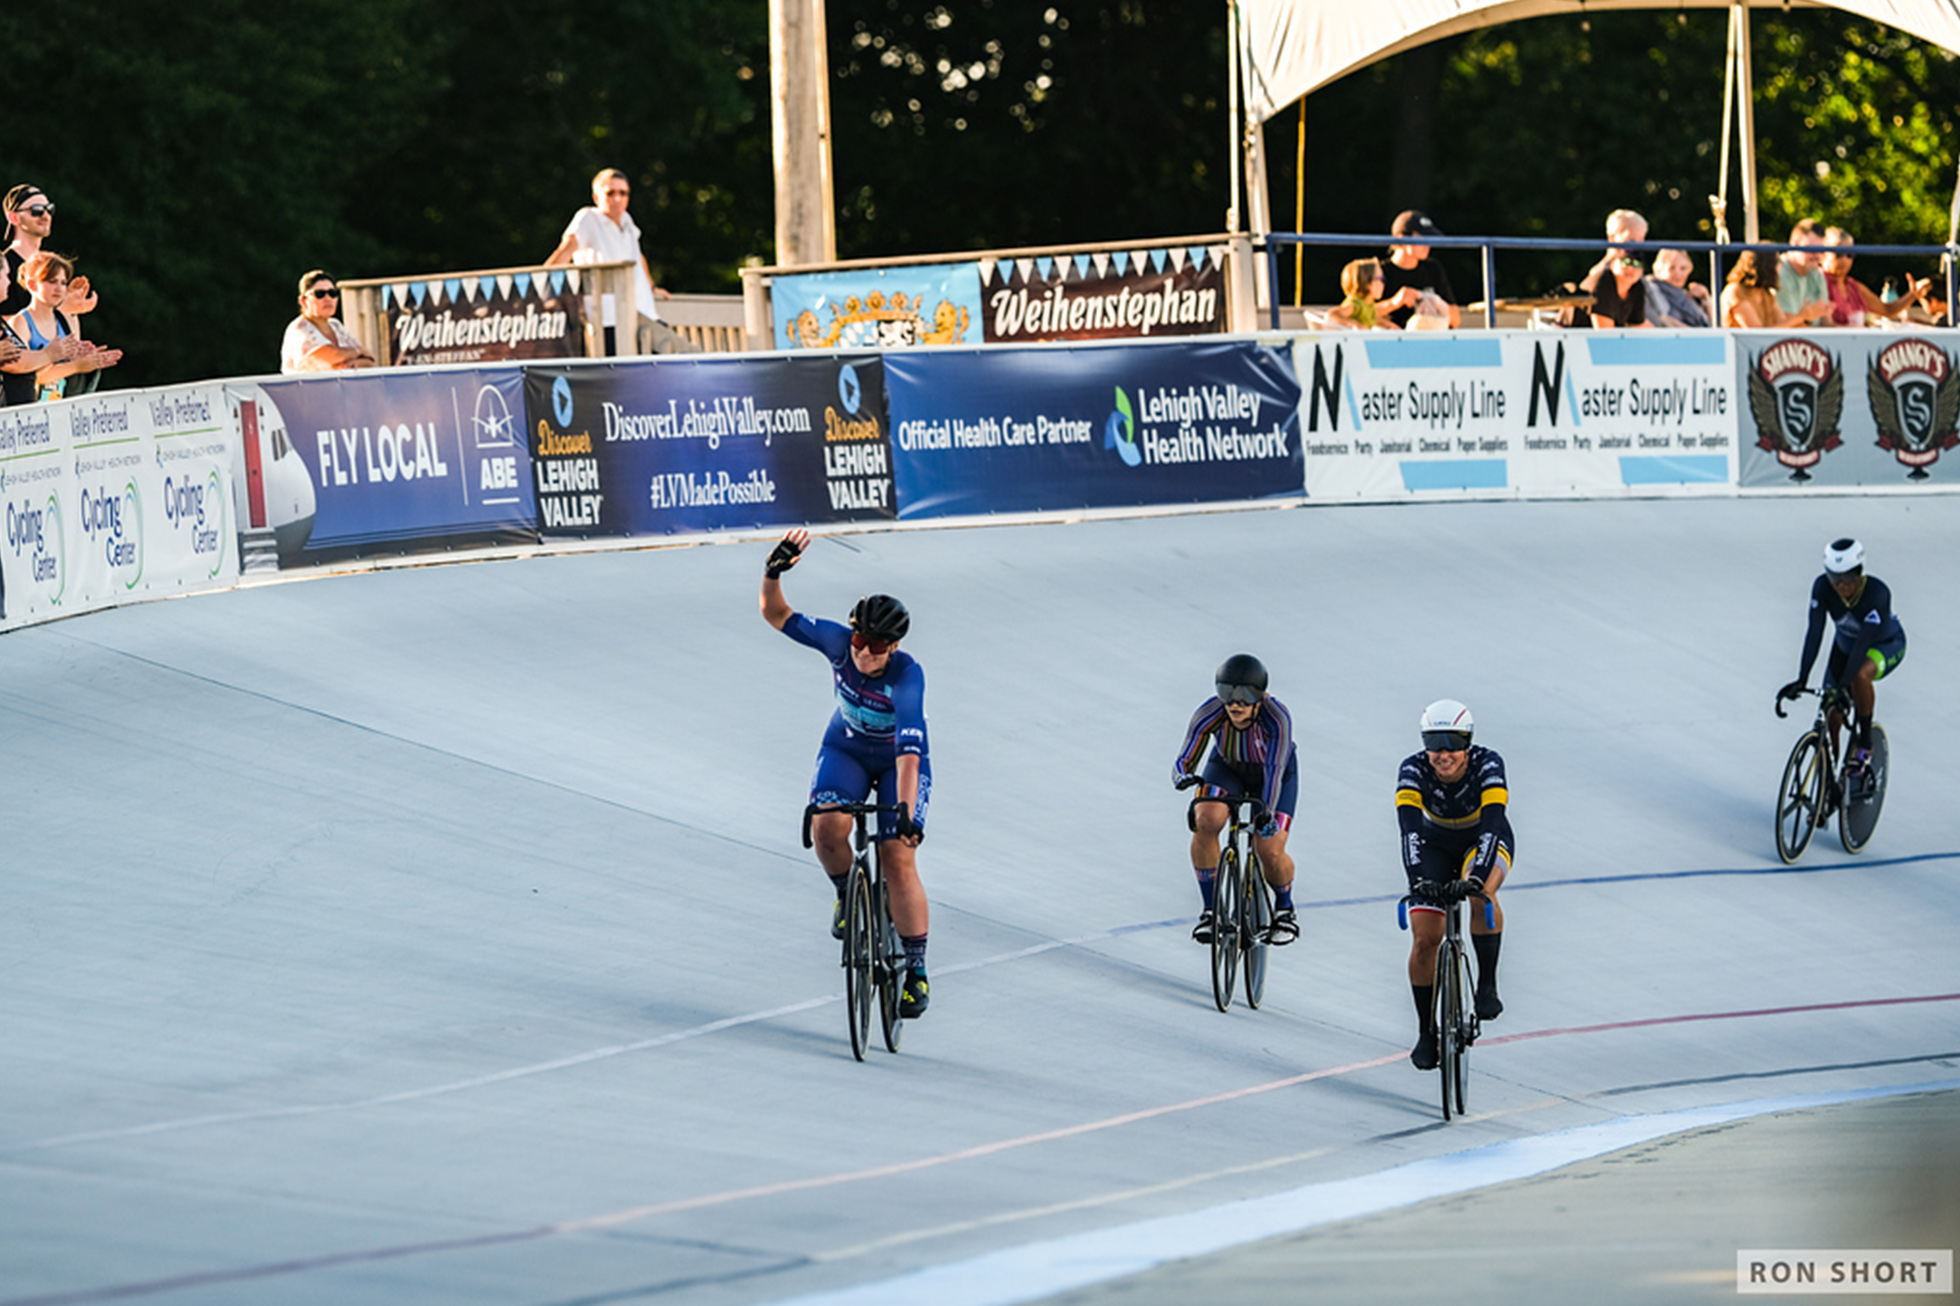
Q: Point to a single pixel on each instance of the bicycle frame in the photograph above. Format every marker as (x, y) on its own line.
(1454, 1005)
(1242, 902)
(872, 957)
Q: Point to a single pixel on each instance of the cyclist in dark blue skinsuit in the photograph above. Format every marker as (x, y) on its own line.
(1867, 644)
(876, 739)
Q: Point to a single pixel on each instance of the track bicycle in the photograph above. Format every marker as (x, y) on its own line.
(873, 958)
(1817, 783)
(1455, 1012)
(1242, 902)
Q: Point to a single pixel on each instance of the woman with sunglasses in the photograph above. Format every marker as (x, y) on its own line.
(1450, 800)
(316, 340)
(876, 738)
(1251, 737)
(50, 335)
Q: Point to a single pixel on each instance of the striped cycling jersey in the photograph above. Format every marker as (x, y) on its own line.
(1266, 743)
(889, 706)
(1460, 806)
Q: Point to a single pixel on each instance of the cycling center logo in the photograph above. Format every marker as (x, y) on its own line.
(1120, 431)
(114, 521)
(1914, 388)
(1796, 396)
(561, 402)
(35, 535)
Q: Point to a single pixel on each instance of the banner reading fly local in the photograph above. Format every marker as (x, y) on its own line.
(1516, 413)
(1840, 408)
(113, 497)
(1023, 430)
(655, 447)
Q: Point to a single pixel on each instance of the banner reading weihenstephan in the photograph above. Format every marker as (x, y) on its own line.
(482, 319)
(114, 497)
(1177, 291)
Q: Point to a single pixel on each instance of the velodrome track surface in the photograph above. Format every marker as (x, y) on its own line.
(443, 934)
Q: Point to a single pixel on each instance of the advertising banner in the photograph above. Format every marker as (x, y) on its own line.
(1092, 427)
(485, 319)
(1844, 408)
(393, 461)
(1151, 292)
(113, 497)
(654, 448)
(1390, 416)
(878, 308)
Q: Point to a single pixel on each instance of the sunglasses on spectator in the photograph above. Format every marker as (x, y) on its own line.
(619, 192)
(872, 646)
(325, 294)
(37, 210)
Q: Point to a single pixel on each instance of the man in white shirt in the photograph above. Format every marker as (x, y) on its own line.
(603, 232)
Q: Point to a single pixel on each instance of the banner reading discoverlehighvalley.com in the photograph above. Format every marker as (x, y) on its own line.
(115, 496)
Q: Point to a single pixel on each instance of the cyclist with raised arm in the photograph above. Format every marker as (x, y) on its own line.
(876, 739)
(1867, 644)
(1450, 800)
(1251, 737)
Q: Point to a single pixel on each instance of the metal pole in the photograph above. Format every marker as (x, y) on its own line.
(1746, 86)
(1234, 158)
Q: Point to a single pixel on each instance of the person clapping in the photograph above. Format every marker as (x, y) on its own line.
(52, 349)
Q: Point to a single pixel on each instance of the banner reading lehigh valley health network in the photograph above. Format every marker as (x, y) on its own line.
(398, 457)
(1091, 427)
(655, 447)
(112, 497)
(1516, 412)
(1836, 408)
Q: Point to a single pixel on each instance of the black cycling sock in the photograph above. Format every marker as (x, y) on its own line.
(1425, 995)
(915, 952)
(1207, 883)
(1486, 946)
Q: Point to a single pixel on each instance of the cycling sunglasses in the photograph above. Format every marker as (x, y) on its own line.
(1445, 741)
(1245, 694)
(872, 646)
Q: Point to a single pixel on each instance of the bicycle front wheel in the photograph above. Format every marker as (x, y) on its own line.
(1449, 1022)
(1800, 797)
(858, 980)
(1257, 915)
(1224, 929)
(888, 966)
(1466, 1027)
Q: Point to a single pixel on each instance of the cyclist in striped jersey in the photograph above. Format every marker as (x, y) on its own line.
(1251, 737)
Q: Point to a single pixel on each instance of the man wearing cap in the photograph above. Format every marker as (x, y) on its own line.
(1411, 266)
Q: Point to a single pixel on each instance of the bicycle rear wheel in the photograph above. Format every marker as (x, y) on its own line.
(1257, 918)
(858, 980)
(1224, 928)
(1449, 1014)
(1859, 816)
(1800, 797)
(888, 965)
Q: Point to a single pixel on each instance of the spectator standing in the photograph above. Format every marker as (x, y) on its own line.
(1614, 281)
(30, 220)
(1673, 300)
(316, 340)
(43, 328)
(1411, 267)
(1851, 300)
(1749, 299)
(1799, 277)
(604, 232)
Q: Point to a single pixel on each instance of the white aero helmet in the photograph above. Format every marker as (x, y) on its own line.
(1446, 726)
(1842, 557)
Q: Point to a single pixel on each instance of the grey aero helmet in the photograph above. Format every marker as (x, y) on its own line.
(880, 617)
(1842, 557)
(1241, 678)
(1446, 726)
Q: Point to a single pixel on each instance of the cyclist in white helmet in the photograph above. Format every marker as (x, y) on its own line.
(1450, 800)
(1869, 641)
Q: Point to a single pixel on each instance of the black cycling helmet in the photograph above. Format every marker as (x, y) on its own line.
(880, 616)
(1241, 678)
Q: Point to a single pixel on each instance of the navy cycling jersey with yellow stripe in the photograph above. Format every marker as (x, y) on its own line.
(1431, 810)
(1264, 746)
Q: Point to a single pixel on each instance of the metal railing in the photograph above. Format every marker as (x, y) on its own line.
(1277, 241)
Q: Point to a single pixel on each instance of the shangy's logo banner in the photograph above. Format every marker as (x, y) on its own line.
(1844, 408)
(878, 308)
(1389, 415)
(1178, 291)
(487, 319)
(653, 449)
(112, 497)
(1027, 430)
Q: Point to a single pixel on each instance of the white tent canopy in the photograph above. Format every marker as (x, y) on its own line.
(1293, 47)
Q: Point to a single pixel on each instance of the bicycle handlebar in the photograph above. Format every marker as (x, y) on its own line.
(1453, 892)
(901, 811)
(1233, 801)
(1827, 694)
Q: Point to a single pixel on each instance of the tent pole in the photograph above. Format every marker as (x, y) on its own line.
(1746, 89)
(1233, 60)
(1300, 204)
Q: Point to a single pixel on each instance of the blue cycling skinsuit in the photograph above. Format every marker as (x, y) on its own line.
(877, 718)
(1449, 830)
(1865, 629)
